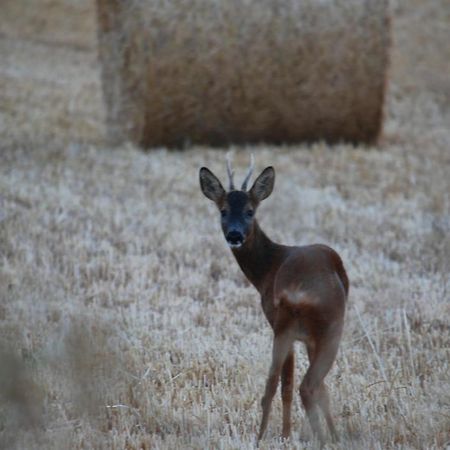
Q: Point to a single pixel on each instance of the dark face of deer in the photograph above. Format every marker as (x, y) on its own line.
(237, 207)
(237, 214)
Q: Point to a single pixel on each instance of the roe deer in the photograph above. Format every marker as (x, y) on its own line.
(303, 295)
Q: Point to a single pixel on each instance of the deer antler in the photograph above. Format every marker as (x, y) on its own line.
(230, 171)
(249, 173)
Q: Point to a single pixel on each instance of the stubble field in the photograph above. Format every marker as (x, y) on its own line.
(126, 323)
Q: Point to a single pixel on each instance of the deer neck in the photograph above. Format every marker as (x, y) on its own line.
(259, 258)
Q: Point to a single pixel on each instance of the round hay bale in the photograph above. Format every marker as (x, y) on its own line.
(239, 71)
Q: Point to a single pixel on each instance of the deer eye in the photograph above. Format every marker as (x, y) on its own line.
(250, 213)
(223, 212)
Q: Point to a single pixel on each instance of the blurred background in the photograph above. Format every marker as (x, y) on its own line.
(50, 70)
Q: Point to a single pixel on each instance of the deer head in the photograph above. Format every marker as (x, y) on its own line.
(237, 207)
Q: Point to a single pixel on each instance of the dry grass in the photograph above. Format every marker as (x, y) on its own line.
(196, 71)
(125, 322)
(49, 78)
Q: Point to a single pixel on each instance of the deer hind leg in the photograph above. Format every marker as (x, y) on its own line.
(287, 388)
(312, 390)
(324, 404)
(282, 344)
(323, 397)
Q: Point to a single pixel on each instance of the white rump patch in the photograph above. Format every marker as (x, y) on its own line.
(296, 298)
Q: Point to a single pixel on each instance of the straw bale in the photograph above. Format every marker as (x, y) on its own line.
(197, 71)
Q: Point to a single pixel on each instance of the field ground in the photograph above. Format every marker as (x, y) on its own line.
(124, 320)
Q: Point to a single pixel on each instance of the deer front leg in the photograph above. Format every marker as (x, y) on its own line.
(287, 387)
(281, 346)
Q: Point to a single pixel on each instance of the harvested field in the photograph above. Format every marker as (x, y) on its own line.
(49, 74)
(126, 323)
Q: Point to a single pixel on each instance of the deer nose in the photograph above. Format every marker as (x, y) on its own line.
(235, 238)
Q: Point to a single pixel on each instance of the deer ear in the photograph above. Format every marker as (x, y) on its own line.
(263, 185)
(210, 185)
